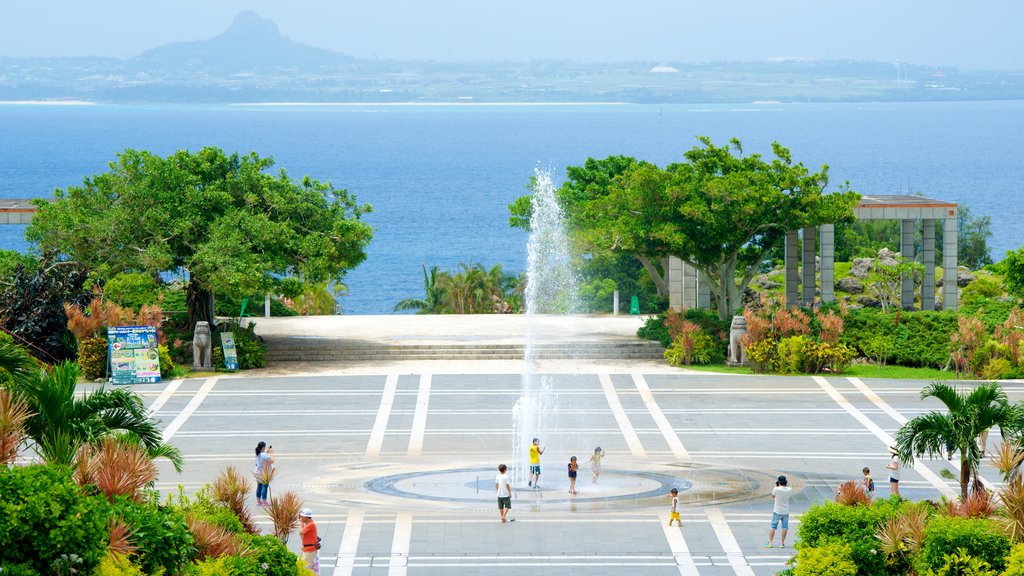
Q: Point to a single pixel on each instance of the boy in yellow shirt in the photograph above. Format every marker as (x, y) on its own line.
(535, 452)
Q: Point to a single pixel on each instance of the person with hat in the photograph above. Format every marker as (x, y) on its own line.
(780, 511)
(310, 541)
(894, 470)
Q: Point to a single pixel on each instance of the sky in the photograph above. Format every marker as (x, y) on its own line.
(941, 33)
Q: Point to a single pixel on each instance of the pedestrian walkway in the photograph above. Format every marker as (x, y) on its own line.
(399, 464)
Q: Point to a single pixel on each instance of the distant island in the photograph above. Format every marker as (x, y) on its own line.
(252, 62)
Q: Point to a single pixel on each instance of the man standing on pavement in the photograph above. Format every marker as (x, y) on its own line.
(504, 488)
(310, 541)
(780, 511)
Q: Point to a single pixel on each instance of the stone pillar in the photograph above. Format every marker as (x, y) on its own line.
(689, 286)
(792, 268)
(828, 262)
(810, 268)
(949, 262)
(675, 283)
(907, 251)
(928, 259)
(703, 292)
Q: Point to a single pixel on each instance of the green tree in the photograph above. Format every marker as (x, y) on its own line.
(973, 235)
(967, 415)
(1012, 268)
(61, 422)
(721, 212)
(433, 296)
(225, 219)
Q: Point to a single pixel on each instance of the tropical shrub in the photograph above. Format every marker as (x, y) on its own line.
(116, 565)
(961, 563)
(160, 533)
(92, 357)
(694, 348)
(827, 559)
(44, 514)
(32, 306)
(1015, 561)
(918, 338)
(855, 525)
(166, 362)
(763, 355)
(977, 538)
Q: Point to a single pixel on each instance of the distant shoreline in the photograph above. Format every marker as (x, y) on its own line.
(46, 103)
(399, 104)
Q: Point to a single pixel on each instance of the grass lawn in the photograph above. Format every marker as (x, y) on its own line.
(857, 371)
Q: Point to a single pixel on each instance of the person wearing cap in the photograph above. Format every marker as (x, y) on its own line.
(780, 511)
(894, 471)
(310, 542)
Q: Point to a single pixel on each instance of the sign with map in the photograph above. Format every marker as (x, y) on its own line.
(134, 357)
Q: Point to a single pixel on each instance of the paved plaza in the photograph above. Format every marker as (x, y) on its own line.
(398, 461)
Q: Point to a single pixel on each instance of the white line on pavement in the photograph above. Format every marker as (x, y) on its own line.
(164, 396)
(728, 542)
(659, 418)
(881, 434)
(677, 544)
(632, 440)
(400, 545)
(380, 425)
(194, 403)
(349, 543)
(419, 419)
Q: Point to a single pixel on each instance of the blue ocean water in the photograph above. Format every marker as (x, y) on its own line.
(440, 177)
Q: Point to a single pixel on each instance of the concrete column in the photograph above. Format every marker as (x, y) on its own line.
(675, 283)
(792, 268)
(907, 250)
(828, 262)
(689, 286)
(949, 262)
(703, 292)
(266, 306)
(928, 259)
(810, 267)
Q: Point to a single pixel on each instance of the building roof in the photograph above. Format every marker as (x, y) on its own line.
(903, 207)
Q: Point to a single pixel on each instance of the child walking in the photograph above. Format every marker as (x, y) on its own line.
(674, 515)
(869, 484)
(573, 469)
(595, 463)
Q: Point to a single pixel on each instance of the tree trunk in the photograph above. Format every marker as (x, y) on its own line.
(965, 475)
(200, 304)
(660, 281)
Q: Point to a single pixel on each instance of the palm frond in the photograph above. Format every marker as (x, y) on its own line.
(14, 413)
(284, 513)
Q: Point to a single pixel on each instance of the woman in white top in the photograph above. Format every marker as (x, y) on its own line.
(894, 471)
(261, 470)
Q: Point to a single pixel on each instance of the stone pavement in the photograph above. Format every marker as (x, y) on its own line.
(398, 461)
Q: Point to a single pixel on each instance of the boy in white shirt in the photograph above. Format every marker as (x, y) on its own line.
(504, 489)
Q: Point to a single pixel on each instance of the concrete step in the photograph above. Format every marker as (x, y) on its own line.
(310, 349)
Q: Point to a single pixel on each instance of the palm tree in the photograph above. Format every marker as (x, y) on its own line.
(968, 414)
(433, 295)
(61, 424)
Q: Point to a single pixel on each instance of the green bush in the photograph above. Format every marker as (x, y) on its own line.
(164, 541)
(978, 538)
(984, 286)
(792, 354)
(92, 357)
(919, 338)
(598, 295)
(112, 565)
(1015, 561)
(131, 290)
(44, 515)
(18, 570)
(963, 564)
(166, 363)
(830, 523)
(267, 556)
(208, 510)
(828, 559)
(654, 328)
(763, 355)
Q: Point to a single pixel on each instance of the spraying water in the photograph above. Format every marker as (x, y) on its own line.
(550, 289)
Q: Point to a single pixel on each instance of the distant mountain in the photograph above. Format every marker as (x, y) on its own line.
(251, 44)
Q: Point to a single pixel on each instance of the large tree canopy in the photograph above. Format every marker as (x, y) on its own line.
(235, 227)
(718, 211)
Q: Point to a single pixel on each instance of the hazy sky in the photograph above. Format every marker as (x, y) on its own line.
(937, 32)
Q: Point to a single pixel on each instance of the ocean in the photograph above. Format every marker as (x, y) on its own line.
(440, 178)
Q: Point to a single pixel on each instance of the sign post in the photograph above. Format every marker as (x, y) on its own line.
(227, 344)
(134, 356)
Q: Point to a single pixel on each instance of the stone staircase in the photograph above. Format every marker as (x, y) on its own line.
(298, 349)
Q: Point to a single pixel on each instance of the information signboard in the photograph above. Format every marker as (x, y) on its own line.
(227, 344)
(134, 357)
